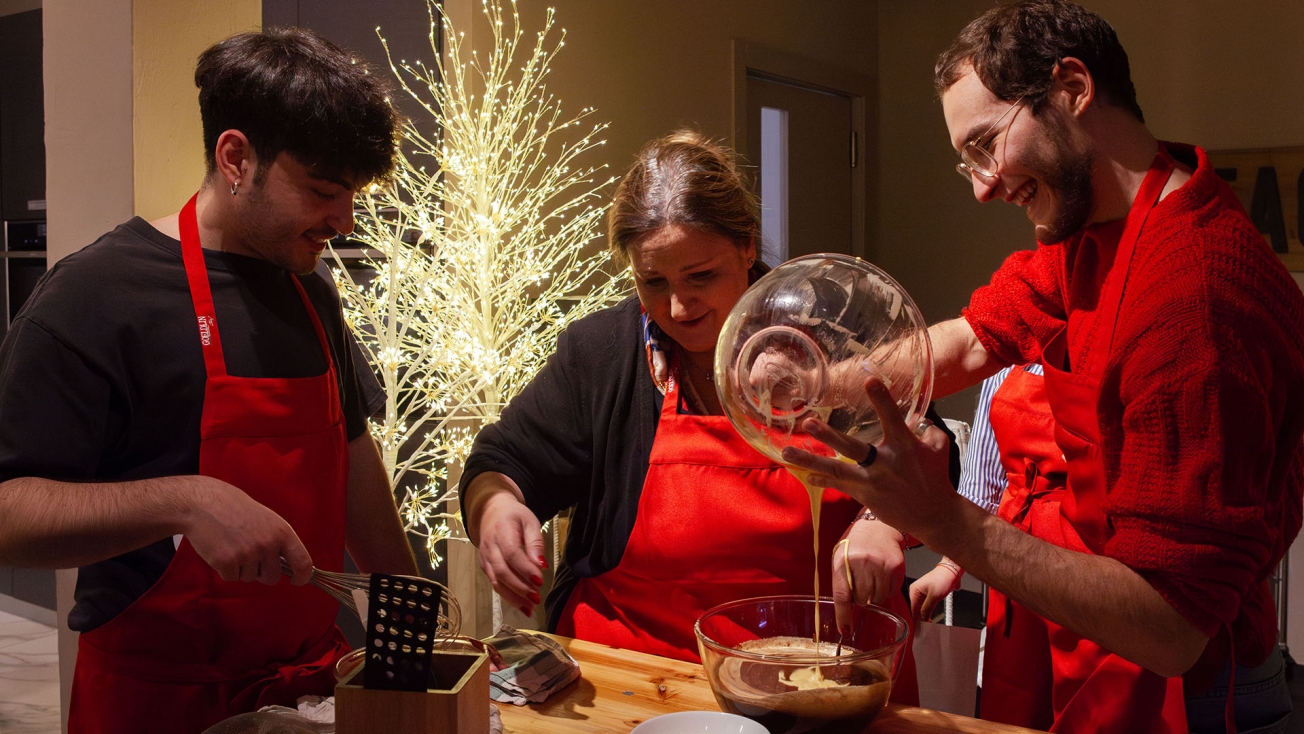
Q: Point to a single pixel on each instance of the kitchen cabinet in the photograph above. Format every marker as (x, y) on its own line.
(405, 24)
(22, 263)
(22, 218)
(22, 161)
(22, 118)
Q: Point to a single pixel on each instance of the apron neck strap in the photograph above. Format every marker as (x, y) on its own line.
(1146, 199)
(192, 253)
(201, 295)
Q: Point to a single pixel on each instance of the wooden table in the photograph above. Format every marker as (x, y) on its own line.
(619, 689)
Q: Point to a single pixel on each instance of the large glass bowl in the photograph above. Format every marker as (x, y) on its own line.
(762, 662)
(801, 342)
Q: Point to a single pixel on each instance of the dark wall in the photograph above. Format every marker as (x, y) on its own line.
(405, 24)
(22, 117)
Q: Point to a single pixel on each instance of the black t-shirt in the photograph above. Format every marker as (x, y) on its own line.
(102, 374)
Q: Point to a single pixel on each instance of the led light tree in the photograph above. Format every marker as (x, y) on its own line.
(482, 252)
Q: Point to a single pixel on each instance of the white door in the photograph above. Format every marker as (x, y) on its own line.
(800, 138)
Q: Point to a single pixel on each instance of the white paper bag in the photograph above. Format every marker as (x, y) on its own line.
(946, 659)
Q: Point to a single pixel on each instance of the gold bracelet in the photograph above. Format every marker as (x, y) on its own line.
(955, 567)
(846, 565)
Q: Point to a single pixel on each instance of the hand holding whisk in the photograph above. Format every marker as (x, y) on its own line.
(449, 625)
(342, 585)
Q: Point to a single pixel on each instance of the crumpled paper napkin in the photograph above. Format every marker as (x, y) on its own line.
(319, 711)
(534, 667)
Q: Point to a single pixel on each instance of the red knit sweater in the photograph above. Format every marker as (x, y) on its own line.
(1202, 398)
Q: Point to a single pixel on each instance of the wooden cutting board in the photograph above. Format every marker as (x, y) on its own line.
(620, 689)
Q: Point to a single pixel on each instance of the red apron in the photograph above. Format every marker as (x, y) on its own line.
(1095, 690)
(1017, 656)
(195, 649)
(717, 521)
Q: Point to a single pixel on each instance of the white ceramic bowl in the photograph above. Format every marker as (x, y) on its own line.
(699, 722)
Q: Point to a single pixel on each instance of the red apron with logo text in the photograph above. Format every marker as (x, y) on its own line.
(1095, 690)
(717, 521)
(195, 649)
(1016, 656)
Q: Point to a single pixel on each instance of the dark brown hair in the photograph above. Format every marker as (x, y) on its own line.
(1014, 48)
(682, 178)
(290, 90)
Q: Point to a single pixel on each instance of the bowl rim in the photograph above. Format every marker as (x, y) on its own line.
(722, 716)
(903, 633)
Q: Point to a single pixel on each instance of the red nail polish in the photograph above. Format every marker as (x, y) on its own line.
(534, 597)
(543, 562)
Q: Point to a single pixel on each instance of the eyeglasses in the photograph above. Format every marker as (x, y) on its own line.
(974, 156)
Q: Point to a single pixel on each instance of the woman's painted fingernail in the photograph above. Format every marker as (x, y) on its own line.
(534, 597)
(527, 611)
(543, 562)
(538, 580)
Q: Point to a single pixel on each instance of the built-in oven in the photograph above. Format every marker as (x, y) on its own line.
(22, 263)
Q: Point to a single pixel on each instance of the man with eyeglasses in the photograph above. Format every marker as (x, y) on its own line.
(1171, 338)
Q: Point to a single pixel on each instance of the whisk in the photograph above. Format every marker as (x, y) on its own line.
(342, 585)
(448, 630)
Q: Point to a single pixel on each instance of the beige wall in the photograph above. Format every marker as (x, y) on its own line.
(169, 36)
(650, 66)
(88, 163)
(1218, 74)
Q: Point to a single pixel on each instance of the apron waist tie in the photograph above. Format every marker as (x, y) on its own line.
(315, 672)
(1031, 497)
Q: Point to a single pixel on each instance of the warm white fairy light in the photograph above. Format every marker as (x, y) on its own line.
(482, 248)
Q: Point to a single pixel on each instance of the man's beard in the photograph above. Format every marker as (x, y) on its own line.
(1070, 179)
(267, 234)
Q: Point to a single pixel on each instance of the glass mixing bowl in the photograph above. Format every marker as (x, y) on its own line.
(801, 341)
(762, 662)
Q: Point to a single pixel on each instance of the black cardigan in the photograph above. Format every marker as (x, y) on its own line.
(580, 435)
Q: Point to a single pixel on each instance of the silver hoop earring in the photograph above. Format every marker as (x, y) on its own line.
(234, 186)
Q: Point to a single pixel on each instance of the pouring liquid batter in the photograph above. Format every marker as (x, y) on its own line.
(813, 676)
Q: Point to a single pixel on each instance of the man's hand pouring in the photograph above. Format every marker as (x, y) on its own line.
(905, 480)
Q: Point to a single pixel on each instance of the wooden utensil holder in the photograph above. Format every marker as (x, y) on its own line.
(461, 708)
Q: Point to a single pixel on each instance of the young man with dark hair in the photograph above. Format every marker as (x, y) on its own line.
(1171, 338)
(181, 410)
